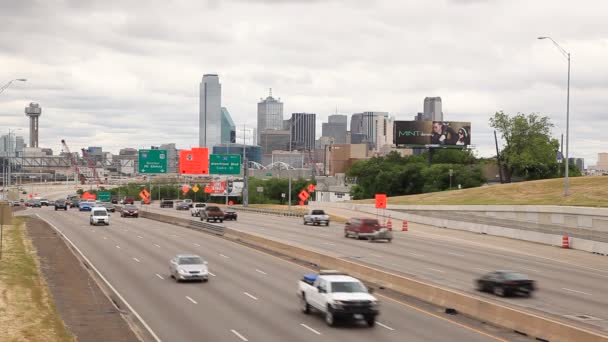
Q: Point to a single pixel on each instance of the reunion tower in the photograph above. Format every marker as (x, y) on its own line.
(33, 111)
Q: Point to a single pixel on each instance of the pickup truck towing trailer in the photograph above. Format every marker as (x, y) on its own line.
(337, 295)
(316, 217)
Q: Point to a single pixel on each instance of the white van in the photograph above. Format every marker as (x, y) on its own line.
(99, 215)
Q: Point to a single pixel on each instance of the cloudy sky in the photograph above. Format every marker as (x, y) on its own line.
(118, 74)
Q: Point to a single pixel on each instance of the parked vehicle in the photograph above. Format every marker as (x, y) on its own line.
(212, 213)
(230, 214)
(337, 295)
(61, 204)
(506, 283)
(166, 203)
(129, 210)
(366, 228)
(99, 215)
(316, 217)
(196, 209)
(188, 267)
(182, 206)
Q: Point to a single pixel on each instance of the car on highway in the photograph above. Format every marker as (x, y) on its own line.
(188, 267)
(189, 201)
(212, 213)
(166, 203)
(129, 210)
(506, 283)
(109, 206)
(75, 203)
(16, 204)
(61, 204)
(85, 206)
(366, 228)
(230, 214)
(99, 215)
(128, 200)
(36, 204)
(337, 296)
(182, 206)
(196, 209)
(44, 202)
(316, 217)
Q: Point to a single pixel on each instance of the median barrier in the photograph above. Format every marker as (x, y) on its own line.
(268, 211)
(540, 327)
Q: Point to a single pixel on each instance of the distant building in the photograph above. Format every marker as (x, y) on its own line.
(210, 104)
(270, 115)
(335, 127)
(11, 145)
(294, 159)
(433, 110)
(364, 128)
(342, 156)
(579, 162)
(303, 131)
(274, 140)
(602, 162)
(228, 128)
(252, 152)
(172, 157)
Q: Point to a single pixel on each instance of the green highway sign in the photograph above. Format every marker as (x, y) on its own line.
(104, 196)
(225, 164)
(152, 161)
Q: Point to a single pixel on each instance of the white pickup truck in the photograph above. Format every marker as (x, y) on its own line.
(196, 209)
(316, 217)
(337, 295)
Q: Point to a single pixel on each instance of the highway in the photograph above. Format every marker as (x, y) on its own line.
(572, 283)
(250, 297)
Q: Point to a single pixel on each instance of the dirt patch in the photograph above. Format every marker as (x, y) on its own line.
(85, 309)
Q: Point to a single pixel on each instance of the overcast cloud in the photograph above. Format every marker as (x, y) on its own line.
(121, 74)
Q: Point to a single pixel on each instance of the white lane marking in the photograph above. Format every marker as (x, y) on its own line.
(139, 236)
(250, 296)
(158, 275)
(455, 254)
(136, 259)
(192, 300)
(156, 338)
(239, 335)
(196, 244)
(157, 245)
(375, 255)
(385, 326)
(260, 271)
(436, 270)
(213, 275)
(105, 238)
(224, 256)
(117, 246)
(481, 269)
(528, 269)
(575, 291)
(309, 328)
(415, 254)
(329, 243)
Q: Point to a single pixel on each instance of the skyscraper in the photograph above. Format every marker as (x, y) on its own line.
(228, 128)
(432, 109)
(335, 127)
(364, 127)
(303, 131)
(270, 114)
(210, 105)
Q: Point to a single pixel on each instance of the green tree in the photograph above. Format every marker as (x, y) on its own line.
(529, 150)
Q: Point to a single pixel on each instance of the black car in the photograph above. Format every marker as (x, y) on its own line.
(36, 204)
(230, 214)
(61, 204)
(166, 204)
(506, 283)
(75, 203)
(109, 207)
(183, 206)
(129, 210)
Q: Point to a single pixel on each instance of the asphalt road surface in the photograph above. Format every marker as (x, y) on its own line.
(250, 297)
(572, 284)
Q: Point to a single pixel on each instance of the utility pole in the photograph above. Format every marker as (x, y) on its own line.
(245, 174)
(498, 159)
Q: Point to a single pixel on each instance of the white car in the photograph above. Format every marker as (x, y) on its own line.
(99, 215)
(188, 267)
(195, 211)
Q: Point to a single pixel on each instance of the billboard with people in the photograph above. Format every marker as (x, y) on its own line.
(432, 134)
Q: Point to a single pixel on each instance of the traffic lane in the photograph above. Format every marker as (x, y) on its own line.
(562, 294)
(391, 315)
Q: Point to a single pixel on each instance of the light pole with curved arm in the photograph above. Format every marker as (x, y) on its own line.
(4, 87)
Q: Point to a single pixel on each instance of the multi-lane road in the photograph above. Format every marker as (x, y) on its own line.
(251, 295)
(572, 284)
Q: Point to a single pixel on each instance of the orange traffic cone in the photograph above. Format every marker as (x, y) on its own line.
(389, 224)
(404, 227)
(565, 242)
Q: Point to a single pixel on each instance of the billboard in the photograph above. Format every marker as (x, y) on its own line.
(219, 188)
(432, 133)
(194, 161)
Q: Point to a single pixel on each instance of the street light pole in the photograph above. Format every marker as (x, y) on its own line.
(4, 87)
(289, 171)
(567, 163)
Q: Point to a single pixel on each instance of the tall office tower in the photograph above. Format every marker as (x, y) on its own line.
(335, 127)
(303, 131)
(432, 109)
(364, 127)
(270, 114)
(228, 128)
(33, 111)
(210, 107)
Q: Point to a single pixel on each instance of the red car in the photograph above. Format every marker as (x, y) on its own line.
(366, 228)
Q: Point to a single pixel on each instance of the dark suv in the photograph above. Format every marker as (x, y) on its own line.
(61, 204)
(166, 203)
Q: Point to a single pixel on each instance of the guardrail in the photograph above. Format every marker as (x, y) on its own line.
(208, 227)
(266, 211)
(184, 222)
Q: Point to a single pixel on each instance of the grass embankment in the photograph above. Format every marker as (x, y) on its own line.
(27, 311)
(584, 191)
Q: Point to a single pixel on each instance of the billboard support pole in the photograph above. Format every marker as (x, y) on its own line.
(498, 159)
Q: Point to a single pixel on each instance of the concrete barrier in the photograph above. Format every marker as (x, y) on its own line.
(520, 320)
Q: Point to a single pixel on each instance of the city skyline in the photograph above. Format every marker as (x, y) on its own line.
(142, 78)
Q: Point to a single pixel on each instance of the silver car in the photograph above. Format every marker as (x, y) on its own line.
(188, 267)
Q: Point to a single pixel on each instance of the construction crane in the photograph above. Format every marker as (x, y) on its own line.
(92, 164)
(81, 177)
